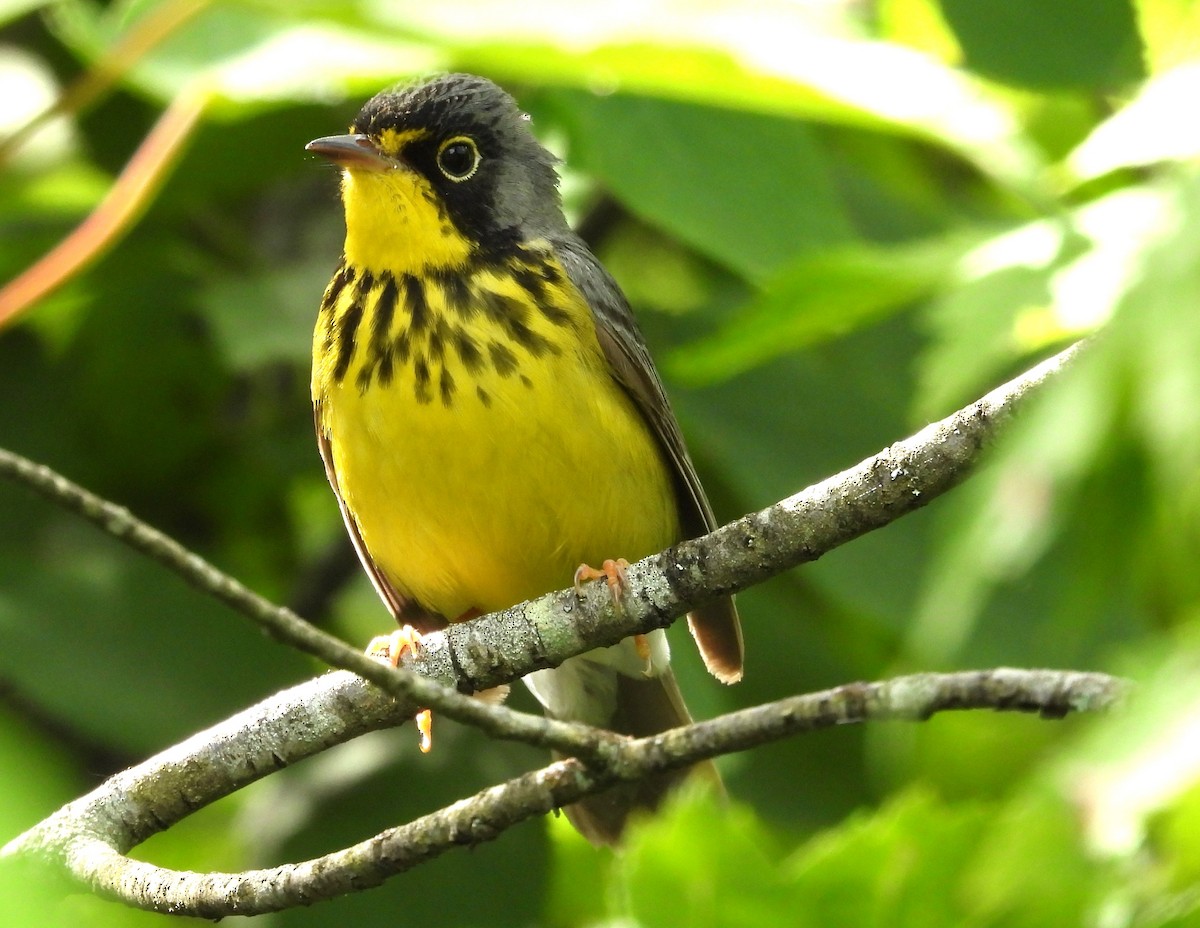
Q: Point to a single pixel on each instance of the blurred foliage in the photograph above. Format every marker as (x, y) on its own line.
(837, 220)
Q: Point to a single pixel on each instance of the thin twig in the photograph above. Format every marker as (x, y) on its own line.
(129, 196)
(158, 24)
(500, 647)
(91, 835)
(411, 688)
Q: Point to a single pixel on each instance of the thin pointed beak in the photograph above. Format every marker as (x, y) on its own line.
(351, 151)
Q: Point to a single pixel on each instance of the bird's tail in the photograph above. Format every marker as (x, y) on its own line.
(619, 689)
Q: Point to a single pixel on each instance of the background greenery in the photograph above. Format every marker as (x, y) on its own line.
(836, 221)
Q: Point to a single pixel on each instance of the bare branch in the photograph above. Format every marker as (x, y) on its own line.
(90, 836)
(414, 690)
(498, 648)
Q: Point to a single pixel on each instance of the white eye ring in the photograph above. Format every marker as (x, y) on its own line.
(458, 158)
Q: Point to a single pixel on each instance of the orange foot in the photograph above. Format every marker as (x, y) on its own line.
(389, 649)
(611, 571)
(424, 720)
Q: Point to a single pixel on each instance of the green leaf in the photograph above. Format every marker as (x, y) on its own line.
(656, 156)
(697, 864)
(87, 629)
(579, 876)
(1169, 29)
(770, 58)
(821, 297)
(1091, 44)
(1138, 770)
(771, 61)
(38, 780)
(1030, 868)
(1121, 425)
(901, 865)
(316, 62)
(267, 317)
(247, 56)
(916, 861)
(1176, 833)
(14, 9)
(1033, 287)
(818, 78)
(918, 24)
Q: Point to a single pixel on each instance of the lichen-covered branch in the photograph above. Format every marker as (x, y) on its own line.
(503, 646)
(90, 836)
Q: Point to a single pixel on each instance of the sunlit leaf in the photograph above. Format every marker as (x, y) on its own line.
(1142, 761)
(251, 55)
(1034, 287)
(12, 9)
(1170, 30)
(1177, 831)
(919, 24)
(1147, 130)
(828, 80)
(321, 62)
(30, 89)
(768, 59)
(1124, 412)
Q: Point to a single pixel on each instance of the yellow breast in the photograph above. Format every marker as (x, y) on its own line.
(477, 436)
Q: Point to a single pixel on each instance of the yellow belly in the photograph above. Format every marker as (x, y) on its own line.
(480, 505)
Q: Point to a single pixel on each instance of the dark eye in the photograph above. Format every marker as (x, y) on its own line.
(458, 158)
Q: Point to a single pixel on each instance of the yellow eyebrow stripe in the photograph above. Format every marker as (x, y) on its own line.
(393, 141)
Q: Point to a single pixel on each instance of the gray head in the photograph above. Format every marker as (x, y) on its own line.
(469, 139)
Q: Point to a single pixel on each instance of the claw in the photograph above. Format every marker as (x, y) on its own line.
(425, 727)
(389, 649)
(612, 571)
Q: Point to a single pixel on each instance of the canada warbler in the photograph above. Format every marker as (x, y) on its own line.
(487, 409)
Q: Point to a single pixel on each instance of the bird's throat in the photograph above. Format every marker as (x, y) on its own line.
(395, 223)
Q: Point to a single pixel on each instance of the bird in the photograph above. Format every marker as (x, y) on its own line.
(488, 412)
